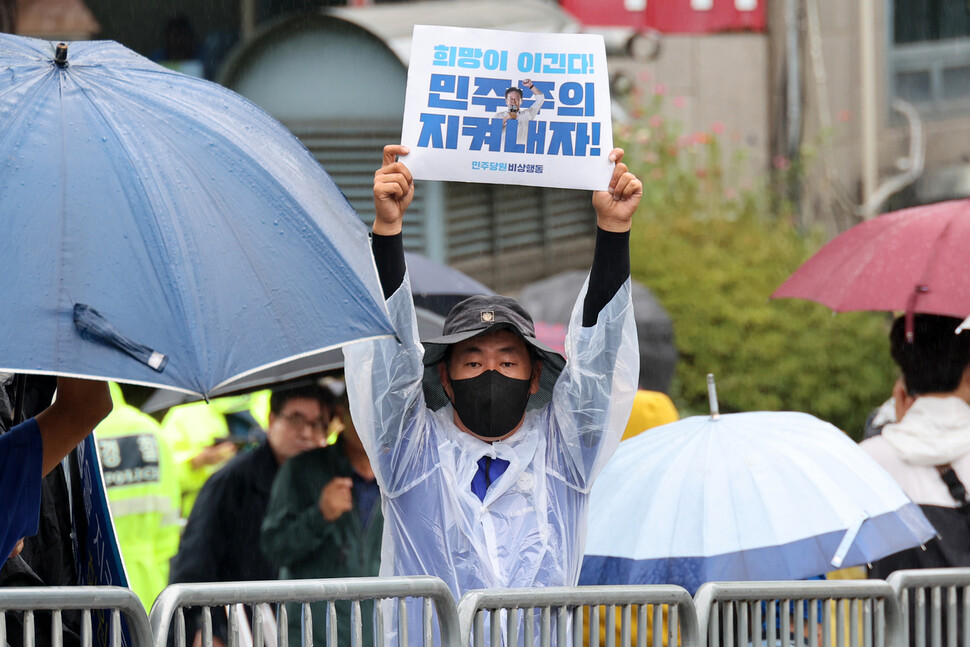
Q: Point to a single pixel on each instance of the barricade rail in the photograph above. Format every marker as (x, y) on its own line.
(865, 613)
(437, 603)
(914, 587)
(118, 602)
(516, 610)
(860, 613)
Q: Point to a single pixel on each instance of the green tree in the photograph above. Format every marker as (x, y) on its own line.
(713, 253)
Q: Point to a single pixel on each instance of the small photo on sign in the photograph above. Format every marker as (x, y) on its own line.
(503, 107)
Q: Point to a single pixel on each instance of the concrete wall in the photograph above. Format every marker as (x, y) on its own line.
(740, 80)
(947, 139)
(712, 79)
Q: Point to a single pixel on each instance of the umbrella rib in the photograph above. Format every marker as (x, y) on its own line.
(20, 109)
(934, 253)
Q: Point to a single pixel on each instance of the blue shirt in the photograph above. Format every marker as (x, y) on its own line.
(21, 454)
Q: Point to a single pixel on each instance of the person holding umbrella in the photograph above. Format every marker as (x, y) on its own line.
(927, 449)
(485, 442)
(33, 448)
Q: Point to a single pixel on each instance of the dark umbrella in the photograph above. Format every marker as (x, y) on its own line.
(438, 287)
(550, 302)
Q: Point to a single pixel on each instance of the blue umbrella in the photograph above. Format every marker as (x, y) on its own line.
(746, 496)
(436, 289)
(161, 230)
(430, 325)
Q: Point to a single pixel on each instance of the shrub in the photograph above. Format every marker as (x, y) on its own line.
(713, 253)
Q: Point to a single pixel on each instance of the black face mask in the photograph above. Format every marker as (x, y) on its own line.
(490, 404)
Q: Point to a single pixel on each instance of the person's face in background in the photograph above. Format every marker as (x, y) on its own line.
(513, 100)
(343, 424)
(300, 425)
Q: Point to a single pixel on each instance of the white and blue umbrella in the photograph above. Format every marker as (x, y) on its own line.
(746, 496)
(159, 229)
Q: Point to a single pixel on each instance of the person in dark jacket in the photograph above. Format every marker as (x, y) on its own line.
(927, 448)
(324, 520)
(221, 538)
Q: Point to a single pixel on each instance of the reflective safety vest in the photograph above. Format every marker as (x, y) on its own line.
(192, 427)
(141, 478)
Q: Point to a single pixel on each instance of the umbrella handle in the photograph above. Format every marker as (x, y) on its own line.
(92, 326)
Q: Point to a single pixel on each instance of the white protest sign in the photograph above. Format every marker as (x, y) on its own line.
(460, 123)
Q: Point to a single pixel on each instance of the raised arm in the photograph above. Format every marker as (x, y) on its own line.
(537, 94)
(594, 394)
(393, 192)
(611, 259)
(78, 407)
(615, 206)
(384, 376)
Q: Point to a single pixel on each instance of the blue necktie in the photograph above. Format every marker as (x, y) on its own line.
(489, 471)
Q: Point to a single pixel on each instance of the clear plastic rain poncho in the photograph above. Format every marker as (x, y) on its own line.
(530, 529)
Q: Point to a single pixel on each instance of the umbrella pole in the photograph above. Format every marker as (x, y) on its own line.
(712, 397)
(20, 390)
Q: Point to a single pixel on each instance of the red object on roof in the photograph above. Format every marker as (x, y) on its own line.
(672, 16)
(56, 19)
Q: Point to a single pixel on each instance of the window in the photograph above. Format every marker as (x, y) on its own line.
(917, 21)
(929, 55)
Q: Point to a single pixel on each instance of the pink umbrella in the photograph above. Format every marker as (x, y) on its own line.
(552, 335)
(915, 260)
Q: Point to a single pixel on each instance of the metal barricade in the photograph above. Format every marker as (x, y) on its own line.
(924, 611)
(555, 614)
(827, 613)
(437, 600)
(114, 602)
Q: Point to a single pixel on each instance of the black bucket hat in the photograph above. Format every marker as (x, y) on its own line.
(480, 315)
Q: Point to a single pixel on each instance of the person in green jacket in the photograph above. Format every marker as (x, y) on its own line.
(324, 520)
(141, 481)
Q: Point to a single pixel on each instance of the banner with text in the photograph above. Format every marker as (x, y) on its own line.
(505, 107)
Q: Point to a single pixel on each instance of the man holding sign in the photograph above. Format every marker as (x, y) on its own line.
(513, 99)
(485, 442)
(465, 85)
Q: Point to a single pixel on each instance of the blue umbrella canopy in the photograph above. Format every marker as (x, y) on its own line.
(159, 229)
